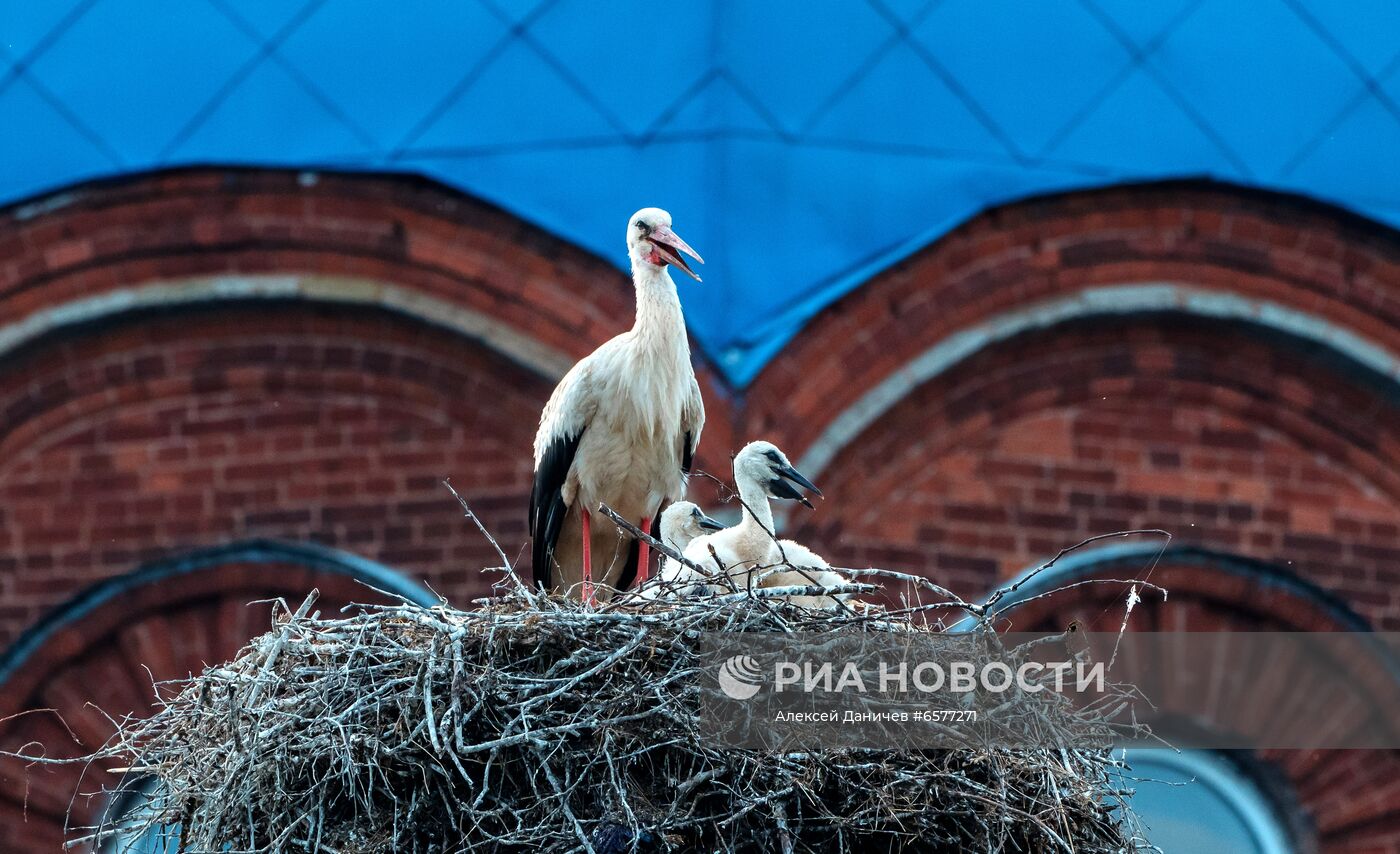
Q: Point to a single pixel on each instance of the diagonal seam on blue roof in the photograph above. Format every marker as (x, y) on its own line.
(273, 50)
(467, 80)
(263, 48)
(48, 40)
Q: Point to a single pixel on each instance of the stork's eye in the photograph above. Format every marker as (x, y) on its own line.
(773, 455)
(643, 226)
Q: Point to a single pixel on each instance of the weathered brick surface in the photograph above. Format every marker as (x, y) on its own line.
(109, 657)
(1299, 255)
(1347, 798)
(1164, 423)
(141, 436)
(407, 232)
(1255, 444)
(337, 426)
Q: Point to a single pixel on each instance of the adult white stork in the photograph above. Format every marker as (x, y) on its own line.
(682, 523)
(620, 429)
(761, 471)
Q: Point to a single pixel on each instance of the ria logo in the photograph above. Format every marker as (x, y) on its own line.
(740, 676)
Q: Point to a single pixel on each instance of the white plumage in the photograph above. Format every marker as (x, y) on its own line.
(681, 524)
(748, 552)
(807, 569)
(761, 471)
(620, 429)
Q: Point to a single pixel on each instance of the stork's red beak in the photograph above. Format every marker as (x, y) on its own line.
(669, 246)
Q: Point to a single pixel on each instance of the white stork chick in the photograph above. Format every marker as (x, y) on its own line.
(805, 568)
(682, 523)
(761, 471)
(620, 429)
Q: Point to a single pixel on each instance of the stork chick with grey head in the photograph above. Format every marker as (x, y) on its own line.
(681, 524)
(620, 429)
(761, 471)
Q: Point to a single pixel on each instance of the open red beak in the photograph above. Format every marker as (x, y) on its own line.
(670, 246)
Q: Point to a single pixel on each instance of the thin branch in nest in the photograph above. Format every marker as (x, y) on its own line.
(506, 566)
(535, 723)
(1002, 592)
(538, 723)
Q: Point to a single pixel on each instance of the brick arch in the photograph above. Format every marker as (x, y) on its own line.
(1216, 591)
(153, 433)
(1109, 304)
(1211, 249)
(1212, 591)
(401, 243)
(1228, 438)
(98, 653)
(265, 246)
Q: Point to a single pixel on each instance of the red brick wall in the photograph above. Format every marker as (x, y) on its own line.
(1226, 438)
(407, 232)
(1348, 798)
(1259, 246)
(101, 662)
(1265, 445)
(145, 439)
(141, 435)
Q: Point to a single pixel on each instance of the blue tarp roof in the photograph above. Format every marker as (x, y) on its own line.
(800, 144)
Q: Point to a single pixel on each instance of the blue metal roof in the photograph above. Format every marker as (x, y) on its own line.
(801, 145)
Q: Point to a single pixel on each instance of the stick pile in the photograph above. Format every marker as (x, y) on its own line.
(533, 724)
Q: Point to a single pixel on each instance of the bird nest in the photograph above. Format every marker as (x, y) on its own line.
(532, 723)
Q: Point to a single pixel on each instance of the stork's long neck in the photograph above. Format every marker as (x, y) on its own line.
(660, 325)
(758, 516)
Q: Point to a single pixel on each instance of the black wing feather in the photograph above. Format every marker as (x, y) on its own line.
(687, 453)
(547, 509)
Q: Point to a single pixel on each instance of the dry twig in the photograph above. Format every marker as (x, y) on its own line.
(536, 724)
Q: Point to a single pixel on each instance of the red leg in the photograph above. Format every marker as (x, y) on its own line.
(587, 560)
(644, 555)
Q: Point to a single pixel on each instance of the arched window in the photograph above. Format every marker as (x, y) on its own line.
(95, 658)
(128, 814)
(1199, 800)
(1204, 800)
